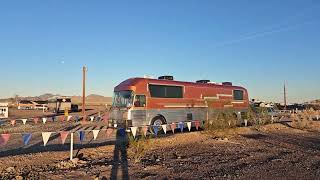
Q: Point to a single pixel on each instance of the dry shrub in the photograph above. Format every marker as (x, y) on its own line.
(303, 120)
(138, 147)
(258, 117)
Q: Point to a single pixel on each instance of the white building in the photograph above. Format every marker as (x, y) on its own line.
(4, 110)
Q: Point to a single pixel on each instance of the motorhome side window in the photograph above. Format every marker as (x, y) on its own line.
(238, 95)
(140, 101)
(163, 91)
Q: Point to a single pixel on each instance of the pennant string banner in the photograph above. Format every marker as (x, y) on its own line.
(173, 127)
(46, 137)
(164, 127)
(64, 135)
(26, 138)
(4, 138)
(189, 125)
(81, 135)
(145, 130)
(134, 131)
(95, 134)
(155, 130)
(24, 121)
(181, 126)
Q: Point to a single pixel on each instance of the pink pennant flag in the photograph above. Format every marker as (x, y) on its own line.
(109, 132)
(13, 122)
(64, 135)
(173, 127)
(4, 138)
(35, 120)
(197, 124)
(62, 118)
(145, 130)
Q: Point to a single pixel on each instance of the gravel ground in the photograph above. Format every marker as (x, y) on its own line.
(275, 151)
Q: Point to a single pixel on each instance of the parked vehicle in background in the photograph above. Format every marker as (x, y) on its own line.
(4, 111)
(272, 112)
(143, 101)
(25, 105)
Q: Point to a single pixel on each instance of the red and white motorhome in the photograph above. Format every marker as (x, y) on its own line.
(142, 101)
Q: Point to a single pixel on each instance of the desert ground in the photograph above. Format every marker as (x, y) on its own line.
(274, 151)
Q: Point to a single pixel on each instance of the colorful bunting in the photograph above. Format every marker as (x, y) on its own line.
(4, 138)
(134, 131)
(44, 120)
(26, 138)
(95, 134)
(62, 118)
(69, 118)
(109, 132)
(91, 118)
(155, 130)
(173, 127)
(81, 135)
(164, 127)
(53, 118)
(13, 122)
(197, 124)
(36, 120)
(145, 130)
(189, 125)
(122, 131)
(24, 121)
(77, 118)
(46, 137)
(181, 126)
(64, 135)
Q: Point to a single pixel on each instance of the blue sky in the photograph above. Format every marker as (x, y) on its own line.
(257, 44)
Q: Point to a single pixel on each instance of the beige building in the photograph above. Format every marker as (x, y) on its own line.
(4, 110)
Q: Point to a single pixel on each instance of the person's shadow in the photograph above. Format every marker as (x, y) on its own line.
(120, 158)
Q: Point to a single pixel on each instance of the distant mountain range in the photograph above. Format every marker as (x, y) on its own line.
(91, 99)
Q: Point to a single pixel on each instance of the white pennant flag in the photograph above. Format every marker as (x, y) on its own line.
(134, 131)
(24, 121)
(44, 120)
(46, 137)
(92, 118)
(95, 134)
(69, 117)
(189, 125)
(164, 127)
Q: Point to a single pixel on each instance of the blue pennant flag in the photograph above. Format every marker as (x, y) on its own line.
(26, 138)
(53, 118)
(81, 134)
(181, 126)
(156, 130)
(122, 131)
(77, 118)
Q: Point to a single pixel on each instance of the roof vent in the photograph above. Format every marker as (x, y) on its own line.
(166, 78)
(227, 83)
(203, 81)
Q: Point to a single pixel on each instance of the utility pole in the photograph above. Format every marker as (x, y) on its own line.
(285, 95)
(84, 70)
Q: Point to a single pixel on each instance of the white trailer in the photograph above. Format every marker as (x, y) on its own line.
(4, 111)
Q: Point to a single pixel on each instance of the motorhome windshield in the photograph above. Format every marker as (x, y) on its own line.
(122, 99)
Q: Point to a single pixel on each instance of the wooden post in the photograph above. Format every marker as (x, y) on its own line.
(71, 147)
(84, 69)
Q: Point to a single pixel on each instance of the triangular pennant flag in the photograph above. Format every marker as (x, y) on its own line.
(44, 120)
(62, 118)
(36, 120)
(77, 118)
(26, 138)
(69, 118)
(4, 138)
(106, 117)
(155, 130)
(122, 131)
(197, 124)
(145, 130)
(91, 118)
(189, 125)
(13, 122)
(173, 127)
(64, 135)
(109, 132)
(81, 135)
(24, 121)
(181, 126)
(46, 137)
(134, 131)
(95, 134)
(53, 118)
(164, 127)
